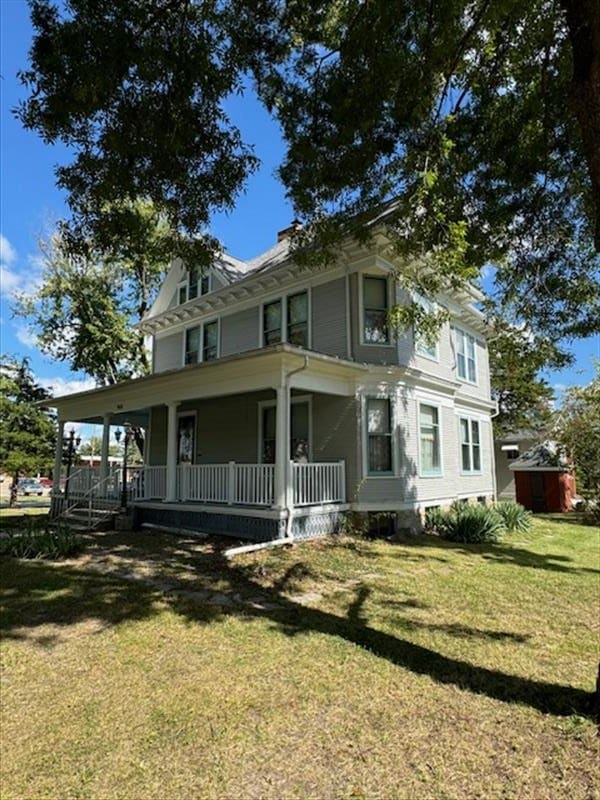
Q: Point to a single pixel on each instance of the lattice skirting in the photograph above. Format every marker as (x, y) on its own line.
(257, 529)
(313, 526)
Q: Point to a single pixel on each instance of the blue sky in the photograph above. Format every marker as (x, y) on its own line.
(30, 205)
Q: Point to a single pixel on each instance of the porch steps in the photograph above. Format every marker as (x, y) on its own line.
(80, 519)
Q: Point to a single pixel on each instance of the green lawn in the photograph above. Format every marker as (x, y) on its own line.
(151, 667)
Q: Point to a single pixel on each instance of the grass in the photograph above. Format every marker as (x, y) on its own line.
(150, 667)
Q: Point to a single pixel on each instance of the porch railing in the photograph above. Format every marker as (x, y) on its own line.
(316, 483)
(242, 484)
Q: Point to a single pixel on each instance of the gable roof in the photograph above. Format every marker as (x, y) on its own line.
(543, 457)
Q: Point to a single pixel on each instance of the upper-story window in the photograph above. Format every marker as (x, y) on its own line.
(423, 347)
(297, 319)
(272, 321)
(379, 436)
(375, 310)
(202, 342)
(470, 445)
(194, 285)
(466, 364)
(286, 320)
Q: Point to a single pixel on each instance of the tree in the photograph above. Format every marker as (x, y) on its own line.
(578, 430)
(524, 400)
(473, 126)
(93, 447)
(27, 431)
(86, 302)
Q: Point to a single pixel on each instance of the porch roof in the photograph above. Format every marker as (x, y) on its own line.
(251, 371)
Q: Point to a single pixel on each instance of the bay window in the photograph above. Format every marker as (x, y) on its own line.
(429, 440)
(379, 436)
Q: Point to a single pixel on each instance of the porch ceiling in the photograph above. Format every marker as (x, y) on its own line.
(251, 371)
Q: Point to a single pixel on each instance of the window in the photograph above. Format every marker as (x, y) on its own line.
(429, 432)
(193, 286)
(511, 455)
(465, 355)
(272, 323)
(202, 343)
(422, 346)
(210, 342)
(299, 431)
(375, 311)
(192, 345)
(379, 436)
(297, 319)
(470, 446)
(193, 276)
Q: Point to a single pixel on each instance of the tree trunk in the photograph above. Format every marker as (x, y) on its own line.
(583, 22)
(12, 502)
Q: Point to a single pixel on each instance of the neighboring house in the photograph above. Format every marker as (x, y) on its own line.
(507, 450)
(280, 398)
(544, 479)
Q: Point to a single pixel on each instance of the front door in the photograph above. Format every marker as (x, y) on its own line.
(186, 436)
(299, 432)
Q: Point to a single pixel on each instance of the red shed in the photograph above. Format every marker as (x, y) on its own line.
(544, 479)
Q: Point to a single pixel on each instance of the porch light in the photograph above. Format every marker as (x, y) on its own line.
(70, 445)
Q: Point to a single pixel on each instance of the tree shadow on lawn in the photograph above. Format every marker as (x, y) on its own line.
(37, 594)
(502, 553)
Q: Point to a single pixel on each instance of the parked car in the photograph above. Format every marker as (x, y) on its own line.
(46, 483)
(29, 487)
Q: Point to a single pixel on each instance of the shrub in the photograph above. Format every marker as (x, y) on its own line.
(435, 520)
(51, 541)
(471, 524)
(514, 516)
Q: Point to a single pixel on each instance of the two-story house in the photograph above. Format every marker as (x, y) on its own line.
(280, 398)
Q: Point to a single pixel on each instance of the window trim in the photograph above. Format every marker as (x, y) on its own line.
(201, 326)
(283, 299)
(301, 398)
(470, 420)
(365, 436)
(438, 407)
(361, 308)
(457, 329)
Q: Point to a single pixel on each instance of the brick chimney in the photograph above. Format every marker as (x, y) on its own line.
(285, 233)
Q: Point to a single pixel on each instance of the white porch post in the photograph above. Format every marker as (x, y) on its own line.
(171, 483)
(105, 446)
(282, 446)
(58, 457)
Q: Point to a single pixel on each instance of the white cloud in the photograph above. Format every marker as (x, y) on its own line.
(10, 280)
(26, 336)
(63, 386)
(7, 251)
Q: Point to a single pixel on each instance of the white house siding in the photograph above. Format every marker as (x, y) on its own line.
(227, 427)
(239, 332)
(482, 388)
(407, 487)
(334, 434)
(167, 352)
(157, 440)
(328, 302)
(370, 353)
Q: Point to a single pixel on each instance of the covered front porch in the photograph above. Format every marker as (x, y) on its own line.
(256, 445)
